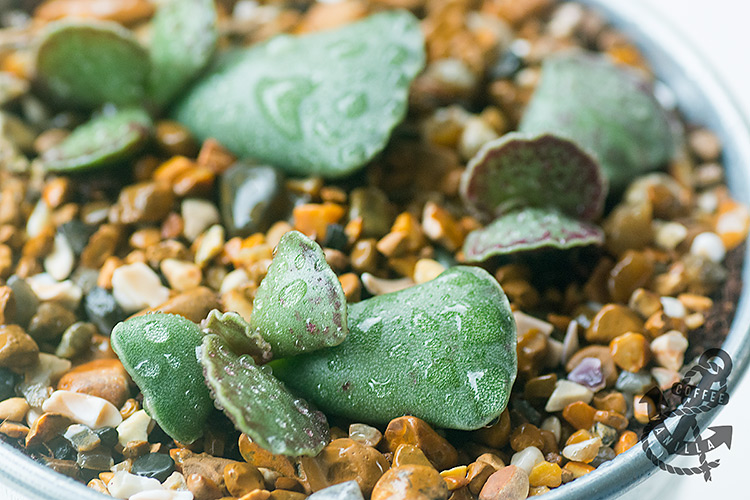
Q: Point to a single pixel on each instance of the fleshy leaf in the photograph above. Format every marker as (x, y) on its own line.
(183, 40)
(444, 351)
(529, 229)
(300, 305)
(238, 335)
(103, 140)
(607, 109)
(259, 404)
(89, 63)
(159, 352)
(317, 104)
(516, 171)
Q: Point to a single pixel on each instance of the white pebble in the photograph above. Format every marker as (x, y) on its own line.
(182, 275)
(527, 458)
(60, 261)
(708, 245)
(125, 485)
(40, 218)
(553, 425)
(233, 280)
(525, 323)
(565, 20)
(570, 342)
(134, 428)
(175, 481)
(162, 495)
(211, 244)
(669, 234)
(585, 451)
(39, 379)
(567, 392)
(554, 353)
(48, 289)
(669, 349)
(136, 286)
(476, 134)
(673, 307)
(197, 216)
(84, 409)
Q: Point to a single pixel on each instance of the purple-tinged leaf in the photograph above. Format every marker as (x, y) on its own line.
(259, 404)
(520, 171)
(529, 229)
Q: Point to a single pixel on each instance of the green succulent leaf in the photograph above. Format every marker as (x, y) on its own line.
(444, 351)
(607, 109)
(300, 305)
(89, 63)
(103, 140)
(529, 229)
(517, 171)
(183, 41)
(238, 334)
(317, 104)
(159, 352)
(260, 405)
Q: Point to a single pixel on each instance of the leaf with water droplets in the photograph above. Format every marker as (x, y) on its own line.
(518, 171)
(317, 104)
(238, 334)
(444, 351)
(259, 404)
(529, 229)
(300, 305)
(607, 109)
(88, 63)
(159, 352)
(183, 40)
(104, 140)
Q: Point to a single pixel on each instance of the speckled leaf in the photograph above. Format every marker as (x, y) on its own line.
(259, 404)
(529, 229)
(101, 141)
(607, 109)
(238, 334)
(444, 351)
(300, 305)
(159, 351)
(517, 171)
(88, 63)
(317, 104)
(183, 40)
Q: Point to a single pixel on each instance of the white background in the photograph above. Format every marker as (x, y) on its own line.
(719, 29)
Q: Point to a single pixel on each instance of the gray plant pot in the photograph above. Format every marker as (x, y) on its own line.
(703, 100)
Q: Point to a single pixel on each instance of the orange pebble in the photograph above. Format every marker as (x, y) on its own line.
(546, 474)
(578, 469)
(579, 414)
(732, 223)
(630, 351)
(313, 219)
(612, 419)
(578, 436)
(627, 440)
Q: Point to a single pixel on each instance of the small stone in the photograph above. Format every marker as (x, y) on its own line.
(65, 293)
(17, 348)
(13, 409)
(50, 321)
(607, 434)
(710, 246)
(107, 435)
(567, 392)
(440, 226)
(344, 460)
(76, 340)
(588, 372)
(412, 430)
(526, 435)
(81, 437)
(496, 435)
(669, 350)
(635, 383)
(527, 458)
(198, 215)
(313, 219)
(61, 448)
(585, 451)
(408, 454)
(611, 419)
(348, 490)
(705, 144)
(181, 274)
(630, 351)
(261, 458)
(552, 424)
(125, 485)
(251, 198)
(210, 244)
(579, 414)
(136, 286)
(372, 206)
(664, 377)
(134, 428)
(88, 410)
(670, 234)
(14, 430)
(175, 481)
(509, 483)
(477, 475)
(411, 482)
(194, 304)
(156, 465)
(545, 474)
(578, 469)
(144, 202)
(240, 479)
(605, 455)
(203, 488)
(38, 379)
(365, 434)
(627, 440)
(476, 133)
(97, 460)
(103, 310)
(25, 299)
(426, 270)
(673, 307)
(103, 378)
(611, 321)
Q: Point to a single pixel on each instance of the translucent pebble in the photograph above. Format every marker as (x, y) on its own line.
(126, 485)
(708, 245)
(527, 458)
(567, 392)
(585, 451)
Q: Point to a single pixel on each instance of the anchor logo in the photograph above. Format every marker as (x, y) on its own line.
(702, 389)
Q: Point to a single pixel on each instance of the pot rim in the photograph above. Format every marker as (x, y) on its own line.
(701, 98)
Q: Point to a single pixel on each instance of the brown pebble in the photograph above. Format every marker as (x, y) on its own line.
(194, 304)
(344, 460)
(613, 401)
(214, 156)
(602, 353)
(526, 435)
(7, 305)
(496, 435)
(13, 409)
(203, 488)
(412, 430)
(17, 348)
(408, 454)
(241, 479)
(477, 474)
(259, 457)
(491, 459)
(101, 246)
(104, 378)
(611, 321)
(205, 465)
(44, 428)
(509, 483)
(50, 321)
(257, 495)
(364, 256)
(634, 270)
(174, 139)
(411, 482)
(143, 202)
(13, 430)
